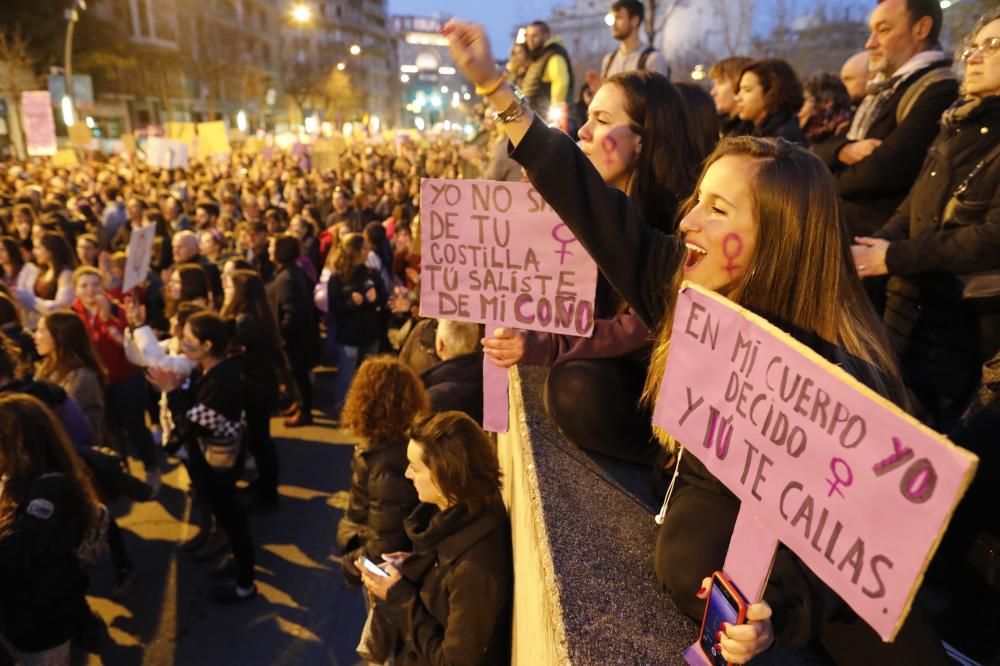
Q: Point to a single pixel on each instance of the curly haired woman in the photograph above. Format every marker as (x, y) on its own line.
(382, 403)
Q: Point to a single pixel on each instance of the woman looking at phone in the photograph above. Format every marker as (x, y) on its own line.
(763, 230)
(451, 597)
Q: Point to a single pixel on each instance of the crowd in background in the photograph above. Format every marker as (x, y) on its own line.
(264, 267)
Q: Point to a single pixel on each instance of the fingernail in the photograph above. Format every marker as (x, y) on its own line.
(718, 635)
(700, 592)
(725, 627)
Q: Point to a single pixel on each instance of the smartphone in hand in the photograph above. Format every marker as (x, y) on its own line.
(725, 604)
(372, 567)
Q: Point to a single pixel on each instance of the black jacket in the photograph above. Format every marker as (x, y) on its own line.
(453, 603)
(873, 188)
(290, 296)
(381, 499)
(357, 325)
(457, 384)
(208, 405)
(933, 331)
(782, 125)
(260, 358)
(41, 579)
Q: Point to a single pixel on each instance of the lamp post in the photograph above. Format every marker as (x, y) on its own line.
(72, 17)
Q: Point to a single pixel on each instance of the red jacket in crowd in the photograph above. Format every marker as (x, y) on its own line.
(107, 333)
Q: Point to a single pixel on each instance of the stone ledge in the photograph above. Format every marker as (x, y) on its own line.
(585, 591)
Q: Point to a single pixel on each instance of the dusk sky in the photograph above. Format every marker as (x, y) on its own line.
(500, 16)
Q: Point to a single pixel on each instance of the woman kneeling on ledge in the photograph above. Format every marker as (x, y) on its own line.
(763, 230)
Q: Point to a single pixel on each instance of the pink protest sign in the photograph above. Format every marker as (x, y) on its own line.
(39, 123)
(855, 487)
(495, 252)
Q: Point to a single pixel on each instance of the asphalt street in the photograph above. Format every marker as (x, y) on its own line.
(304, 614)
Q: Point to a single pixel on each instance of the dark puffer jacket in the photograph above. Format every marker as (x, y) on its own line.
(41, 578)
(933, 331)
(381, 499)
(453, 602)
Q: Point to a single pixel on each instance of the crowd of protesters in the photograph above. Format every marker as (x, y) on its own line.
(869, 206)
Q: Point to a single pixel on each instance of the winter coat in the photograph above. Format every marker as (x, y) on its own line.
(453, 602)
(781, 125)
(42, 580)
(381, 498)
(261, 361)
(290, 296)
(873, 188)
(457, 384)
(356, 325)
(208, 405)
(934, 332)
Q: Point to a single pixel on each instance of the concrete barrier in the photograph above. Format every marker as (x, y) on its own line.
(584, 588)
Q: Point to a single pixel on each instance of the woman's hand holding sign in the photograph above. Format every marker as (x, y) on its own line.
(505, 348)
(742, 642)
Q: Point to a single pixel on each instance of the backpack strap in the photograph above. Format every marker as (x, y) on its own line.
(607, 68)
(646, 52)
(913, 93)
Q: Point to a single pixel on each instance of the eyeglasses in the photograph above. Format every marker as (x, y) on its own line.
(987, 48)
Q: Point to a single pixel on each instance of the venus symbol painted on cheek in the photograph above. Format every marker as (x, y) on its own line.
(732, 248)
(610, 147)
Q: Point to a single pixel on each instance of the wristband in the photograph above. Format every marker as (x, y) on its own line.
(486, 91)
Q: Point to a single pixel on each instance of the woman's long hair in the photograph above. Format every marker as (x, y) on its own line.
(250, 299)
(781, 85)
(194, 286)
(802, 276)
(16, 258)
(71, 347)
(348, 255)
(35, 443)
(667, 168)
(62, 257)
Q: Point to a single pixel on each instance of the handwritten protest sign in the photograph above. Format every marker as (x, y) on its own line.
(495, 253)
(139, 252)
(166, 153)
(856, 488)
(39, 123)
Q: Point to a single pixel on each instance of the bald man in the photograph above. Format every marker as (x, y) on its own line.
(855, 76)
(187, 250)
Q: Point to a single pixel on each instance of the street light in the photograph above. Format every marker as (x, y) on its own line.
(355, 49)
(301, 13)
(341, 66)
(72, 16)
